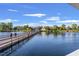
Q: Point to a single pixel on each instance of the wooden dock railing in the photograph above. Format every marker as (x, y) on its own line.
(6, 42)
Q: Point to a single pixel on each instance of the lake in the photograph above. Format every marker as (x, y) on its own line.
(45, 44)
(7, 34)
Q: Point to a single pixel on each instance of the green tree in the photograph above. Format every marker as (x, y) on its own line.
(55, 27)
(6, 27)
(74, 26)
(0, 27)
(63, 26)
(9, 26)
(18, 28)
(69, 28)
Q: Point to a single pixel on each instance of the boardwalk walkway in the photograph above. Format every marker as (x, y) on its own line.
(6, 42)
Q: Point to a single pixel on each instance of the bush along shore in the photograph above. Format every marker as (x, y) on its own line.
(8, 27)
(63, 28)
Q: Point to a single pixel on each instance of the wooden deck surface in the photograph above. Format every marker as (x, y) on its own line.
(4, 43)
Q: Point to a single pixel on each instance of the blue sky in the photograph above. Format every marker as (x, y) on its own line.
(39, 13)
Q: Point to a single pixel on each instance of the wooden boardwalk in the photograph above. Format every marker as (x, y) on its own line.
(6, 42)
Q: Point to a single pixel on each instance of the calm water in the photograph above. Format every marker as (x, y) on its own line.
(45, 44)
(7, 34)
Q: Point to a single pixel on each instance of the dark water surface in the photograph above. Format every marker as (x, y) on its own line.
(45, 44)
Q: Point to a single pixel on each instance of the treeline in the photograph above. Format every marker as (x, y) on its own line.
(24, 28)
(64, 28)
(8, 27)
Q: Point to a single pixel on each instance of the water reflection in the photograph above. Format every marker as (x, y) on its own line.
(50, 33)
(46, 43)
(13, 48)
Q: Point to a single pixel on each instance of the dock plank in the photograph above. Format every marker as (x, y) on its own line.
(10, 41)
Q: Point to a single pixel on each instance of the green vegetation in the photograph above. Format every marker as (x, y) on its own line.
(63, 28)
(24, 28)
(8, 27)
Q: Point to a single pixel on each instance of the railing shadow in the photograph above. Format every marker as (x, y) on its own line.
(7, 51)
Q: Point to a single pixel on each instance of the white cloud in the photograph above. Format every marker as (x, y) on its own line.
(12, 10)
(30, 24)
(15, 20)
(68, 21)
(33, 24)
(55, 18)
(8, 20)
(45, 22)
(35, 15)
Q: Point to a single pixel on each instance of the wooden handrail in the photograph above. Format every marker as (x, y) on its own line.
(12, 40)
